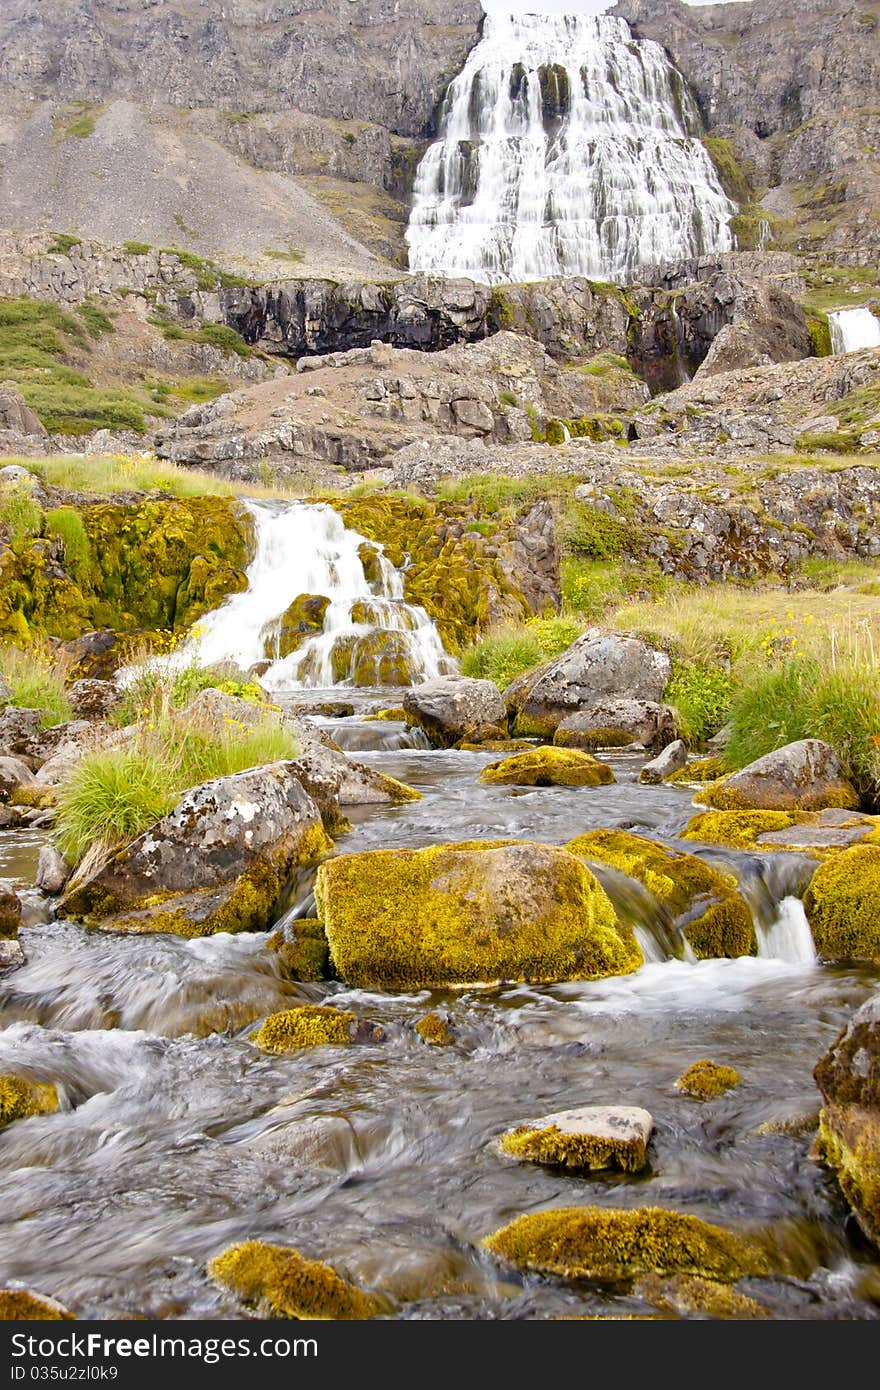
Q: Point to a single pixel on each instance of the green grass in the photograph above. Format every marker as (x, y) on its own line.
(509, 652)
(188, 390)
(95, 319)
(67, 524)
(220, 335)
(136, 248)
(594, 588)
(491, 494)
(290, 255)
(36, 678)
(841, 287)
(154, 685)
(80, 409)
(107, 474)
(21, 518)
(63, 243)
(735, 175)
(702, 694)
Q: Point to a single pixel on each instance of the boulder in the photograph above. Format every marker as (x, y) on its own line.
(21, 1098)
(97, 655)
(21, 1305)
(697, 900)
(673, 758)
(841, 905)
(10, 914)
(53, 871)
(93, 699)
(472, 912)
(13, 774)
(304, 618)
(313, 1025)
(454, 709)
(335, 780)
(592, 1137)
(810, 831)
(220, 861)
(616, 723)
(19, 729)
(313, 1141)
(707, 1080)
(301, 947)
(17, 417)
(548, 767)
(849, 1126)
(802, 776)
(280, 1282)
(598, 666)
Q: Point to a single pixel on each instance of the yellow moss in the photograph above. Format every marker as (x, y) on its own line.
(548, 767)
(304, 954)
(282, 1283)
(720, 923)
(392, 715)
(555, 1148)
(688, 1294)
(20, 1098)
(399, 792)
(20, 1305)
(741, 829)
(841, 905)
(434, 1029)
(701, 770)
(723, 796)
(706, 1080)
(34, 797)
(310, 1025)
(856, 1167)
(472, 912)
(611, 1244)
(496, 745)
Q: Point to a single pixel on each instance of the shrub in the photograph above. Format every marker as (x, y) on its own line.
(64, 241)
(222, 336)
(590, 532)
(67, 524)
(702, 695)
(36, 679)
(503, 655)
(136, 248)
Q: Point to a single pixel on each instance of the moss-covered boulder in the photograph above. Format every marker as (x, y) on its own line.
(313, 1025)
(611, 1244)
(302, 619)
(301, 947)
(615, 723)
(382, 658)
(467, 913)
(699, 900)
(818, 833)
(435, 1030)
(841, 904)
(20, 1098)
(849, 1127)
(802, 776)
(279, 1282)
(706, 1080)
(688, 1296)
(591, 1137)
(21, 1305)
(548, 767)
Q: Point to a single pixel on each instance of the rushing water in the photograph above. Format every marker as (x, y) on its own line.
(177, 1136)
(854, 329)
(566, 148)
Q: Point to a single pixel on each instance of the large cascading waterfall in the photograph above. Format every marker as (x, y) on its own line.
(324, 606)
(854, 329)
(566, 148)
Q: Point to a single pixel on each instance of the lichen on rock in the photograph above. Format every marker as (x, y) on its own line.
(280, 1282)
(706, 1080)
(549, 767)
(20, 1099)
(592, 1137)
(309, 1025)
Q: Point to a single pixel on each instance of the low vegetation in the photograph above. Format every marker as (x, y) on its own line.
(37, 679)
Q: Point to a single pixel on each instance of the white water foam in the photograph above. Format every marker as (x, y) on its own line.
(789, 938)
(854, 329)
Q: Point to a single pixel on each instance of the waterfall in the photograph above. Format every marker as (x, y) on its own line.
(789, 938)
(854, 329)
(566, 148)
(364, 632)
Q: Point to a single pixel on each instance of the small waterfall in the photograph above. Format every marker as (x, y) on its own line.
(854, 329)
(370, 635)
(789, 938)
(566, 148)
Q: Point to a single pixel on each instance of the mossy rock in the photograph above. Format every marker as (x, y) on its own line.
(382, 658)
(853, 1155)
(705, 1080)
(280, 1282)
(700, 771)
(304, 618)
(302, 949)
(591, 1138)
(841, 905)
(738, 829)
(848, 1141)
(386, 716)
(20, 1305)
(434, 1029)
(469, 913)
(686, 1295)
(311, 1025)
(20, 1099)
(802, 776)
(610, 1244)
(549, 767)
(704, 902)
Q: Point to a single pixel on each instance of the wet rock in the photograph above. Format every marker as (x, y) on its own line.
(841, 905)
(313, 1025)
(21, 1098)
(13, 775)
(11, 954)
(802, 776)
(435, 1030)
(279, 1282)
(548, 767)
(781, 829)
(10, 914)
(335, 780)
(93, 699)
(304, 618)
(707, 1080)
(688, 1296)
(616, 723)
(316, 1141)
(22, 1305)
(453, 709)
(598, 666)
(473, 912)
(301, 947)
(53, 871)
(673, 758)
(592, 1137)
(849, 1126)
(219, 861)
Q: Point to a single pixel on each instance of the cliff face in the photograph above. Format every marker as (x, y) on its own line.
(794, 87)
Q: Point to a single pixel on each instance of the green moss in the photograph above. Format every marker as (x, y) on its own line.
(20, 1098)
(856, 1165)
(610, 1244)
(740, 829)
(719, 923)
(284, 1284)
(304, 618)
(382, 716)
(303, 952)
(735, 176)
(819, 329)
(841, 905)
(434, 1029)
(308, 1026)
(63, 243)
(472, 912)
(556, 1147)
(20, 1305)
(707, 1080)
(548, 767)
(500, 315)
(136, 248)
(726, 795)
(700, 770)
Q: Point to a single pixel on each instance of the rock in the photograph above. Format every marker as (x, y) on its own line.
(780, 830)
(96, 655)
(687, 1296)
(328, 1142)
(454, 709)
(19, 729)
(21, 1098)
(841, 905)
(10, 914)
(53, 871)
(219, 861)
(301, 947)
(93, 699)
(13, 775)
(304, 618)
(673, 758)
(597, 666)
(312, 1025)
(609, 1244)
(17, 417)
(696, 899)
(5, 691)
(707, 1080)
(592, 1137)
(335, 781)
(435, 1030)
(849, 1125)
(281, 1283)
(11, 954)
(548, 767)
(473, 912)
(802, 776)
(616, 723)
(21, 1305)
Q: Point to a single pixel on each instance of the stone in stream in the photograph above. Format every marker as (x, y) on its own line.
(14, 774)
(802, 776)
(687, 1295)
(301, 947)
(816, 832)
(455, 709)
(701, 901)
(841, 904)
(673, 758)
(280, 1282)
(53, 871)
(316, 1141)
(849, 1125)
(549, 767)
(435, 1030)
(303, 618)
(467, 913)
(607, 1243)
(592, 1137)
(705, 1080)
(220, 861)
(617, 723)
(10, 914)
(598, 666)
(21, 1098)
(23, 1305)
(313, 1025)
